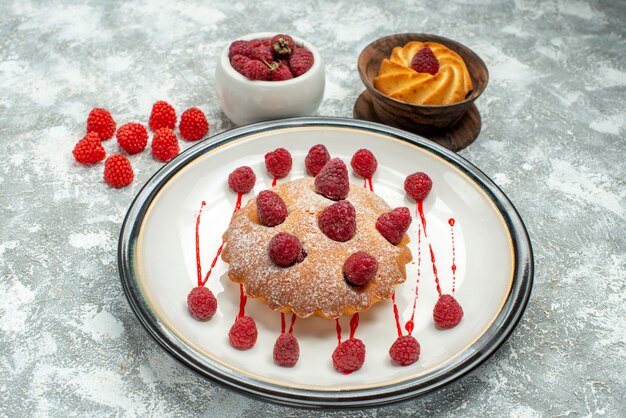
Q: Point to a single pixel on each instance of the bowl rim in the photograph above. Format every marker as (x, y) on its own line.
(440, 39)
(231, 72)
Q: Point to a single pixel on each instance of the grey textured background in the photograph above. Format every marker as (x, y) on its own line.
(553, 138)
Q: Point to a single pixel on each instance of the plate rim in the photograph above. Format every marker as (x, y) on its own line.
(489, 342)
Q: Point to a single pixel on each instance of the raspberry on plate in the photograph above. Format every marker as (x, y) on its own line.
(349, 356)
(241, 180)
(163, 115)
(418, 185)
(316, 159)
(447, 312)
(101, 122)
(332, 181)
(284, 249)
(405, 350)
(243, 333)
(282, 45)
(338, 221)
(425, 61)
(89, 150)
(165, 144)
(394, 224)
(286, 350)
(201, 303)
(118, 171)
(364, 163)
(360, 268)
(193, 124)
(278, 162)
(132, 137)
(271, 208)
(300, 61)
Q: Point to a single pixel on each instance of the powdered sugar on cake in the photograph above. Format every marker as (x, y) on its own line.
(316, 286)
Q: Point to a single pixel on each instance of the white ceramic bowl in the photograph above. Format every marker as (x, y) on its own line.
(245, 101)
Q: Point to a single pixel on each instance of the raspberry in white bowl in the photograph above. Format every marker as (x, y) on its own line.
(259, 80)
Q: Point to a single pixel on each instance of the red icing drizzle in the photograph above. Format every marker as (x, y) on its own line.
(242, 302)
(282, 323)
(420, 210)
(202, 282)
(410, 325)
(395, 314)
(367, 180)
(198, 265)
(274, 181)
(451, 222)
(293, 321)
(354, 323)
(338, 328)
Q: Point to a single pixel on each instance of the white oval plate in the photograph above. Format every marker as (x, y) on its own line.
(492, 254)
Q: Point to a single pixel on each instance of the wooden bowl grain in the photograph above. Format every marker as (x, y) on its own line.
(425, 118)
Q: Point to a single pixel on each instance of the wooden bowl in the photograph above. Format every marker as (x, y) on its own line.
(412, 117)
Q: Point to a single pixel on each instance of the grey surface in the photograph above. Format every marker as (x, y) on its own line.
(554, 123)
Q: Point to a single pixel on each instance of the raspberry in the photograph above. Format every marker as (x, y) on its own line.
(278, 162)
(271, 208)
(193, 124)
(164, 144)
(163, 115)
(418, 185)
(262, 53)
(286, 350)
(282, 45)
(243, 333)
(447, 312)
(239, 48)
(117, 171)
(201, 303)
(338, 221)
(132, 137)
(300, 61)
(284, 249)
(316, 159)
(280, 73)
(256, 70)
(425, 61)
(364, 163)
(393, 225)
(349, 356)
(360, 268)
(238, 62)
(241, 180)
(405, 350)
(332, 181)
(101, 122)
(89, 150)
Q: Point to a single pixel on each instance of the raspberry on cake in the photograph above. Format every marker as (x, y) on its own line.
(332, 181)
(312, 282)
(393, 225)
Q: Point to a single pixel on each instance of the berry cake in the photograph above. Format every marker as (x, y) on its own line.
(315, 282)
